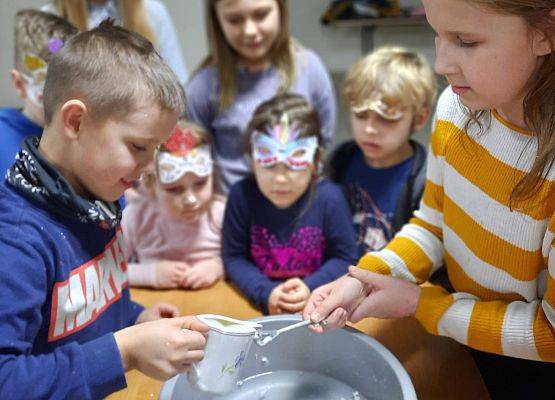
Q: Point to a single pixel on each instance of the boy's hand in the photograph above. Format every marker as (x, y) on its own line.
(388, 297)
(163, 348)
(157, 311)
(294, 295)
(273, 300)
(169, 274)
(202, 275)
(334, 302)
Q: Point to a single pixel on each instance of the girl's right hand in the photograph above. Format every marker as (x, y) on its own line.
(163, 348)
(335, 302)
(169, 274)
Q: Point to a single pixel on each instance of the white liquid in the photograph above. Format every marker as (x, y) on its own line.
(294, 385)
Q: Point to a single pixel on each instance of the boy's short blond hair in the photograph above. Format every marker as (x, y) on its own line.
(113, 71)
(34, 30)
(401, 76)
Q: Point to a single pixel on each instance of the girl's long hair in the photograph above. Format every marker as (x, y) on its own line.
(539, 102)
(224, 58)
(132, 12)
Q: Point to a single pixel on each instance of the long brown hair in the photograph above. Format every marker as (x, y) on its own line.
(539, 102)
(132, 12)
(224, 58)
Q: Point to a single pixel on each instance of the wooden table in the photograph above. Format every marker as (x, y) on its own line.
(440, 368)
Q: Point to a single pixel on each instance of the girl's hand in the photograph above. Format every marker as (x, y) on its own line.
(169, 274)
(273, 300)
(157, 311)
(294, 295)
(331, 304)
(162, 348)
(388, 297)
(203, 274)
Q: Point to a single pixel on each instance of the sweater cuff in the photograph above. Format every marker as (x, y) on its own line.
(104, 366)
(371, 262)
(142, 274)
(265, 296)
(433, 303)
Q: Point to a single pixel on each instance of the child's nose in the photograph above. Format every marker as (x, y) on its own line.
(189, 198)
(250, 28)
(444, 64)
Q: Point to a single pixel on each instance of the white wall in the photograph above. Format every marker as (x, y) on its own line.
(338, 47)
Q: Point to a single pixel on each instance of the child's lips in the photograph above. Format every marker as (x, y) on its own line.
(460, 89)
(371, 145)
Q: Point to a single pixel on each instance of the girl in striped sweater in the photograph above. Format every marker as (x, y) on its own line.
(488, 210)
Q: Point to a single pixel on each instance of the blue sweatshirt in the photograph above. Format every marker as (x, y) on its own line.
(14, 127)
(263, 246)
(63, 291)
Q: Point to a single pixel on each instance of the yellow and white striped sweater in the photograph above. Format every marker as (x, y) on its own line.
(500, 262)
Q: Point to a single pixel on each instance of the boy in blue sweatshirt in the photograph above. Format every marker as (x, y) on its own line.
(68, 329)
(38, 35)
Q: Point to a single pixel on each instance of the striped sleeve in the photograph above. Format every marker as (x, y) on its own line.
(417, 249)
(513, 328)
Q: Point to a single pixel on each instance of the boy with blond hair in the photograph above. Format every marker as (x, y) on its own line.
(68, 328)
(390, 94)
(38, 35)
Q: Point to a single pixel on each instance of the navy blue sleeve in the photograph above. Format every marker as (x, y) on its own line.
(235, 250)
(341, 248)
(72, 371)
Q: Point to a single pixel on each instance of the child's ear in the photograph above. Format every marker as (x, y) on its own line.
(421, 119)
(19, 83)
(72, 113)
(544, 42)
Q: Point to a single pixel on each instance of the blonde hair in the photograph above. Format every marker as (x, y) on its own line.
(132, 12)
(111, 70)
(401, 76)
(33, 31)
(222, 56)
(539, 103)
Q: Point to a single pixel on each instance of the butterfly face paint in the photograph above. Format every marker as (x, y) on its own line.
(35, 78)
(376, 104)
(183, 157)
(36, 75)
(282, 145)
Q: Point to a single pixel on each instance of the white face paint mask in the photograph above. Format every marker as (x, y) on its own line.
(376, 104)
(281, 144)
(182, 155)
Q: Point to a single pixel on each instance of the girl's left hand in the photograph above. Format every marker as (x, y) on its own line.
(202, 274)
(157, 311)
(388, 297)
(294, 295)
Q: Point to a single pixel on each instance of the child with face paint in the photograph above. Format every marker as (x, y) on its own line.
(172, 229)
(285, 231)
(38, 35)
(252, 58)
(390, 93)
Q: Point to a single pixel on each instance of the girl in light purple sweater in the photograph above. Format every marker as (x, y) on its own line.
(172, 230)
(252, 58)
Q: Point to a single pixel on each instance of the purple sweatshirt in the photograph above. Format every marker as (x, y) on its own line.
(312, 81)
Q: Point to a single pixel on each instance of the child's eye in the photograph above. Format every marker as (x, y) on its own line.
(136, 147)
(299, 153)
(466, 43)
(175, 190)
(234, 20)
(260, 15)
(361, 115)
(200, 184)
